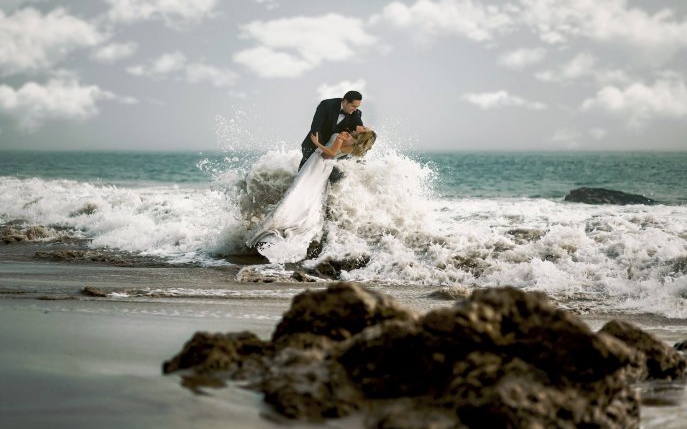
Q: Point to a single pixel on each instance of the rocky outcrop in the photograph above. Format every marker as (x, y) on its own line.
(239, 355)
(30, 233)
(22, 231)
(606, 196)
(309, 384)
(525, 235)
(93, 291)
(661, 360)
(500, 358)
(338, 313)
(474, 266)
(331, 268)
(678, 265)
(106, 257)
(87, 209)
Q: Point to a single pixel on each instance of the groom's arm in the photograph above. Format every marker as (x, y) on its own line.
(358, 121)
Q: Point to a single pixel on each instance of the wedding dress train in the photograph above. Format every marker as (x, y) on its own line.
(285, 234)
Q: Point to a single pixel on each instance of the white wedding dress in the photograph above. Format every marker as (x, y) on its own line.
(285, 234)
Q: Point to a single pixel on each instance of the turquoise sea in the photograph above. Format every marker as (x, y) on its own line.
(422, 219)
(658, 175)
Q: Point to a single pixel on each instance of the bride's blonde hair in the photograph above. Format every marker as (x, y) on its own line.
(363, 142)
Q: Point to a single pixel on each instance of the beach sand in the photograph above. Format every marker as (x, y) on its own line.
(74, 361)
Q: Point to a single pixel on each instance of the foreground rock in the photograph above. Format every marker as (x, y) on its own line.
(338, 313)
(660, 360)
(606, 196)
(502, 358)
(239, 355)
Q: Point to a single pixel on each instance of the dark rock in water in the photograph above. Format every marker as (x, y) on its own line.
(662, 361)
(679, 265)
(31, 233)
(107, 257)
(606, 196)
(474, 266)
(20, 230)
(450, 293)
(680, 346)
(93, 291)
(524, 235)
(241, 355)
(314, 250)
(332, 268)
(11, 235)
(60, 255)
(339, 312)
(301, 276)
(502, 358)
(88, 209)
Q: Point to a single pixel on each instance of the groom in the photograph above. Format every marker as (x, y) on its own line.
(332, 116)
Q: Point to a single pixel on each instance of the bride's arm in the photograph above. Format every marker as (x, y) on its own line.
(331, 151)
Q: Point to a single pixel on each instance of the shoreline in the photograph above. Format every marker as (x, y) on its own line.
(78, 361)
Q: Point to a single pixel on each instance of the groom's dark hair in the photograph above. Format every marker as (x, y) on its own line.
(353, 95)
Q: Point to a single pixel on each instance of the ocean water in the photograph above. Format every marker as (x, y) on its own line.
(425, 220)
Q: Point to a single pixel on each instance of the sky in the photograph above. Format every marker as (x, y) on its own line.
(442, 75)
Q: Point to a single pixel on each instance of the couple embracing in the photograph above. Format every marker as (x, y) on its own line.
(285, 234)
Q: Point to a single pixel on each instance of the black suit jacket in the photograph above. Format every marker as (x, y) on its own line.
(324, 122)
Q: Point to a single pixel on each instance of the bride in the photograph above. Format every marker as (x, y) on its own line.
(285, 234)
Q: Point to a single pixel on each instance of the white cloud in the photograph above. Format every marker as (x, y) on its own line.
(583, 65)
(500, 99)
(466, 18)
(340, 88)
(115, 51)
(175, 13)
(521, 58)
(639, 103)
(160, 66)
(580, 66)
(175, 66)
(657, 37)
(289, 47)
(34, 42)
(61, 98)
(199, 73)
(269, 63)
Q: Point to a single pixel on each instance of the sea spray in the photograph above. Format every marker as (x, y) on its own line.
(178, 223)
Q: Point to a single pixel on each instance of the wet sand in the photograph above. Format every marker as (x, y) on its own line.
(77, 362)
(69, 360)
